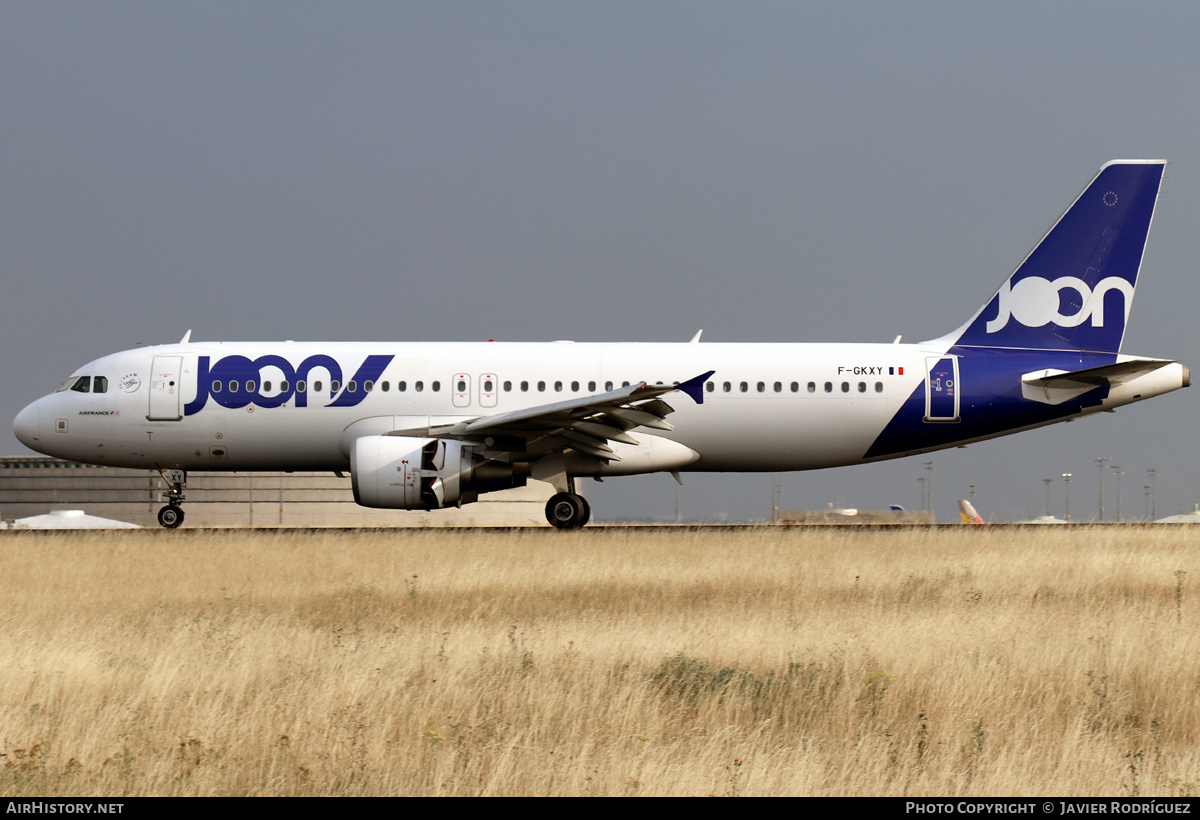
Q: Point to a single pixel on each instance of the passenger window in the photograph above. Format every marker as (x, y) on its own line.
(233, 387)
(418, 386)
(591, 387)
(384, 386)
(845, 387)
(508, 387)
(862, 387)
(624, 384)
(745, 387)
(368, 386)
(83, 384)
(462, 386)
(436, 386)
(100, 385)
(216, 387)
(487, 386)
(828, 387)
(778, 387)
(558, 387)
(334, 385)
(351, 386)
(541, 387)
(574, 387)
(878, 387)
(401, 386)
(283, 387)
(317, 386)
(762, 387)
(301, 386)
(250, 385)
(812, 387)
(524, 387)
(709, 386)
(266, 387)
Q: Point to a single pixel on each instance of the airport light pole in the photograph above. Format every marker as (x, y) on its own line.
(929, 469)
(1100, 462)
(1153, 473)
(1047, 482)
(1118, 472)
(1067, 479)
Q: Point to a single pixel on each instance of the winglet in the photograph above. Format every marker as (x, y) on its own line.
(694, 387)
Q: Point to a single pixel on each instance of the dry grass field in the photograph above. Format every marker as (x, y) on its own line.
(759, 661)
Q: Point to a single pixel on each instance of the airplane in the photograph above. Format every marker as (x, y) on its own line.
(966, 511)
(435, 425)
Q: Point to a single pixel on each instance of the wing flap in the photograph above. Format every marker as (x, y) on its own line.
(586, 425)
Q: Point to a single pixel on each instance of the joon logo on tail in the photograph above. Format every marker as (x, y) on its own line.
(236, 381)
(1034, 302)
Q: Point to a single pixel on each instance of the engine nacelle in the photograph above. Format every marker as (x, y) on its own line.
(400, 473)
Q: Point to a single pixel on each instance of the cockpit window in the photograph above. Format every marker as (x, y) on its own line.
(84, 384)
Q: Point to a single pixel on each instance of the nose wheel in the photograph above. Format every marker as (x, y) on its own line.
(171, 516)
(568, 511)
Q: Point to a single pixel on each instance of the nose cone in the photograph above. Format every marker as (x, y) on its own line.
(27, 427)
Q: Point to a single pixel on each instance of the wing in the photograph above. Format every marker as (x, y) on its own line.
(585, 425)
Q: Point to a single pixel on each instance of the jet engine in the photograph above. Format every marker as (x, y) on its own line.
(398, 472)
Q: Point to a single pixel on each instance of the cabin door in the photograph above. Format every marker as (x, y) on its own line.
(165, 388)
(941, 389)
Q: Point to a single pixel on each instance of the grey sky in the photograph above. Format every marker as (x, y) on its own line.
(596, 171)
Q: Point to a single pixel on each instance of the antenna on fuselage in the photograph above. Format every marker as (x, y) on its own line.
(187, 337)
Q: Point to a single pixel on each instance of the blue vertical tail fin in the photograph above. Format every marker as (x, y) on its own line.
(1074, 289)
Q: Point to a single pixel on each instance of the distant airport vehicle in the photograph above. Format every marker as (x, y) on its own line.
(432, 425)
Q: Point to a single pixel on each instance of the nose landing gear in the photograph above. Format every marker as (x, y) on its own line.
(171, 516)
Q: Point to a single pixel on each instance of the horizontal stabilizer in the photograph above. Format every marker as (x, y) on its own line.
(1058, 386)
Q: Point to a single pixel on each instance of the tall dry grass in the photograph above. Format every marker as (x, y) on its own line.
(618, 662)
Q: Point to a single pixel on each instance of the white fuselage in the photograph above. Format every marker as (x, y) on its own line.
(768, 406)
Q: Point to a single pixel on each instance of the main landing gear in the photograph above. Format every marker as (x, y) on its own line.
(568, 511)
(171, 516)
